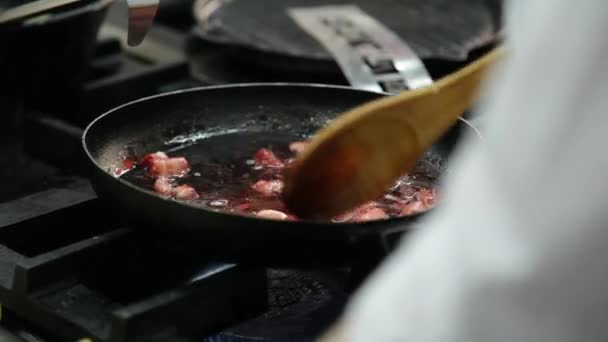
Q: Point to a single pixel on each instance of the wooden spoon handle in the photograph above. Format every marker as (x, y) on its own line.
(459, 92)
(455, 94)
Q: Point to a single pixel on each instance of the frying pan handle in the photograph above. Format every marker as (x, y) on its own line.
(370, 55)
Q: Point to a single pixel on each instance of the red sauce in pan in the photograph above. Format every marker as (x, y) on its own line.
(253, 186)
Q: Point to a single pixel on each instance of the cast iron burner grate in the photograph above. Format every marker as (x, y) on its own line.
(85, 276)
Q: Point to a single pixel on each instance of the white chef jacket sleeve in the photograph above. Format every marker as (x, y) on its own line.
(518, 249)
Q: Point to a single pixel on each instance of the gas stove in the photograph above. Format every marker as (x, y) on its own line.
(71, 270)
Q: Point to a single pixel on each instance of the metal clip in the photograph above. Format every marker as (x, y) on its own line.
(371, 56)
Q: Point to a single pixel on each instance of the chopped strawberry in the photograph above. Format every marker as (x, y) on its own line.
(394, 199)
(268, 188)
(288, 162)
(243, 207)
(172, 167)
(128, 164)
(370, 215)
(298, 147)
(163, 186)
(343, 217)
(427, 197)
(149, 158)
(185, 192)
(407, 192)
(414, 207)
(366, 207)
(355, 214)
(265, 157)
(272, 215)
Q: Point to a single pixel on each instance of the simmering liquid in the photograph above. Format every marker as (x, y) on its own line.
(245, 181)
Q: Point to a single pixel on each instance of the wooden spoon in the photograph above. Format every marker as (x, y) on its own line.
(358, 156)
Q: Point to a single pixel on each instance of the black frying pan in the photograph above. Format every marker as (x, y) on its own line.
(231, 123)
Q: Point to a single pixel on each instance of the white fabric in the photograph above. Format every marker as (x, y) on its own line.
(518, 251)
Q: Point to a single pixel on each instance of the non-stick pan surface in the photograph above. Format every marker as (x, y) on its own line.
(229, 123)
